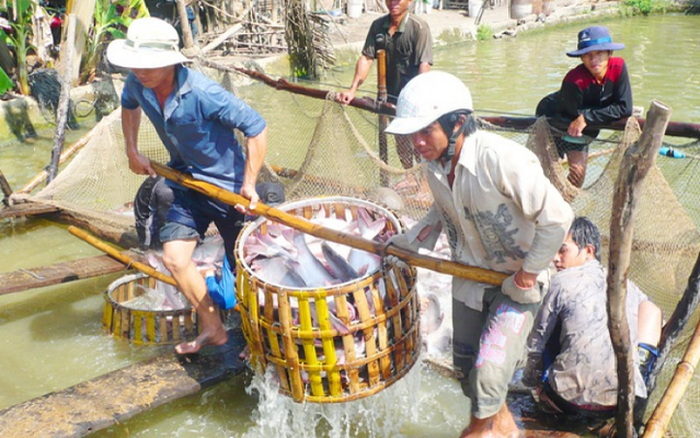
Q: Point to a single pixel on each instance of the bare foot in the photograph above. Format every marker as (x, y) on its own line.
(218, 338)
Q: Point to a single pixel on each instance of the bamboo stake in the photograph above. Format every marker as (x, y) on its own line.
(128, 261)
(636, 163)
(63, 101)
(435, 264)
(658, 422)
(671, 333)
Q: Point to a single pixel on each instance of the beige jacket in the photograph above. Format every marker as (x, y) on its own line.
(501, 213)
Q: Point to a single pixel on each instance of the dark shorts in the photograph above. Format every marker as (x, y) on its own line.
(191, 213)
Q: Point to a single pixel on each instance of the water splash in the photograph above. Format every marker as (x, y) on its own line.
(382, 415)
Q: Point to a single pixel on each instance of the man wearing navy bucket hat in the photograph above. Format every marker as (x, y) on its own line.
(195, 119)
(595, 92)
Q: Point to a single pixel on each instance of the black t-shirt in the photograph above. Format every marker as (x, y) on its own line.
(411, 45)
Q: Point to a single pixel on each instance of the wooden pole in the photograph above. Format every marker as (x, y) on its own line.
(63, 101)
(674, 129)
(185, 25)
(6, 190)
(383, 119)
(435, 264)
(121, 257)
(636, 163)
(660, 418)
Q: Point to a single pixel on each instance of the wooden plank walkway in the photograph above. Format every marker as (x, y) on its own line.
(115, 397)
(23, 279)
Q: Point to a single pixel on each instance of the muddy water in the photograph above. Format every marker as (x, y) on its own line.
(51, 338)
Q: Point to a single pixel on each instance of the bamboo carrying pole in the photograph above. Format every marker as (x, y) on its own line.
(636, 163)
(435, 264)
(121, 257)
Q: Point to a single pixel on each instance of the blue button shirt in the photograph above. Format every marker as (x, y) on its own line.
(196, 126)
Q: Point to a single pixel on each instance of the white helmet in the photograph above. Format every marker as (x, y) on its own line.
(426, 98)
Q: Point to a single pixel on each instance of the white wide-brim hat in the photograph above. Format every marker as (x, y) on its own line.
(150, 43)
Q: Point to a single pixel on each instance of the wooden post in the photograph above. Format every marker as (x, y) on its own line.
(185, 25)
(383, 120)
(63, 101)
(636, 163)
(6, 189)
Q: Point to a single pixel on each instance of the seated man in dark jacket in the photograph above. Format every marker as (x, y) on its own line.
(596, 91)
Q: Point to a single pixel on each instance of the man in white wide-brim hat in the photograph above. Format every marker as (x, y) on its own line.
(195, 118)
(499, 212)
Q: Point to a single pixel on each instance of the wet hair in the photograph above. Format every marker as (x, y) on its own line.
(584, 232)
(449, 120)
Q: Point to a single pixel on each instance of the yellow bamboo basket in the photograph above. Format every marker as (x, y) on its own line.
(314, 361)
(144, 327)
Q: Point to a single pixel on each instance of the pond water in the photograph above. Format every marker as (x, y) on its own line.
(51, 338)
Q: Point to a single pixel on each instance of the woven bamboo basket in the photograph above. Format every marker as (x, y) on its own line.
(307, 353)
(144, 327)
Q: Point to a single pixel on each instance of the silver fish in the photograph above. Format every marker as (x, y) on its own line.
(337, 265)
(278, 270)
(309, 267)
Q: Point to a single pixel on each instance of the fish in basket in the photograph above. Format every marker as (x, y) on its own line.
(335, 322)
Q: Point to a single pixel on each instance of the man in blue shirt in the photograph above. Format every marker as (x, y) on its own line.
(195, 118)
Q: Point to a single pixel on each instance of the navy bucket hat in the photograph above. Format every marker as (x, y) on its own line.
(594, 38)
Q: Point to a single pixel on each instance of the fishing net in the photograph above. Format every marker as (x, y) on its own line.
(318, 147)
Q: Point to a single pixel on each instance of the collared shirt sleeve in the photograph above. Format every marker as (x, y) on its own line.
(370, 49)
(219, 104)
(432, 220)
(521, 179)
(424, 46)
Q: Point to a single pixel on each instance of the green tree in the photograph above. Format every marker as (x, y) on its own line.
(19, 39)
(111, 19)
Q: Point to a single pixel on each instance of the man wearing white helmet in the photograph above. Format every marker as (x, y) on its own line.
(195, 119)
(499, 212)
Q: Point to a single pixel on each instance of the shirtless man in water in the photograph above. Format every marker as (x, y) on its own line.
(195, 119)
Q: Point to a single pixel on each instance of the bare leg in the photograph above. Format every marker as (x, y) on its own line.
(649, 323)
(177, 257)
(500, 425)
(577, 167)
